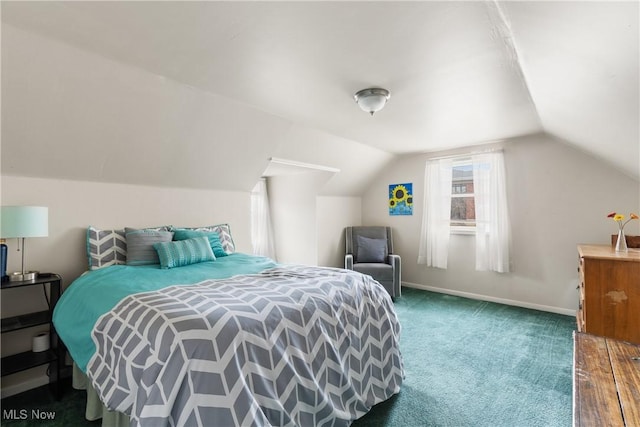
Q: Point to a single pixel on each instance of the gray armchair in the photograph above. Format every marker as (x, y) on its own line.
(369, 250)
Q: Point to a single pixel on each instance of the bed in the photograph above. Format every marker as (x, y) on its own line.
(234, 341)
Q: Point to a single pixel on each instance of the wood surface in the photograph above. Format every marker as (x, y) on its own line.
(595, 396)
(606, 382)
(625, 363)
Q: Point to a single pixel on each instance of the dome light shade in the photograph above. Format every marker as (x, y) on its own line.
(372, 99)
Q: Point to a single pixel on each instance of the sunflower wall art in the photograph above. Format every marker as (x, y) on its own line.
(401, 199)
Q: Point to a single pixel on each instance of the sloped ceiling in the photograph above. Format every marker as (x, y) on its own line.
(460, 73)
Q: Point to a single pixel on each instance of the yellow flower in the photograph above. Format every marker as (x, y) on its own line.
(400, 193)
(619, 218)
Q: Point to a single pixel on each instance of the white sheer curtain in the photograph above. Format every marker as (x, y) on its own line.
(492, 217)
(436, 216)
(262, 238)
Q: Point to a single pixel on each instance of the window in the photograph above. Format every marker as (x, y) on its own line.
(463, 203)
(466, 196)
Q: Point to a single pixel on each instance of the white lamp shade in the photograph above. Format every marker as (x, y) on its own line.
(24, 221)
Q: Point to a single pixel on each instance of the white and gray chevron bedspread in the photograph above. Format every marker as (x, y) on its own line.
(291, 346)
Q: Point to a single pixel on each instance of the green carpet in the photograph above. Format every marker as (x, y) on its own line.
(467, 362)
(475, 363)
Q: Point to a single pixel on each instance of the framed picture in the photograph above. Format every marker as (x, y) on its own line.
(401, 199)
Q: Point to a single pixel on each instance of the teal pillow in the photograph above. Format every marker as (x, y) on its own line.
(224, 232)
(184, 252)
(214, 239)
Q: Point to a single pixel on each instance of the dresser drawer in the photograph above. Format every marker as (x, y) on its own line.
(581, 270)
(580, 318)
(580, 313)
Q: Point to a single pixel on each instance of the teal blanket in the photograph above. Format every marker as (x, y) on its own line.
(97, 292)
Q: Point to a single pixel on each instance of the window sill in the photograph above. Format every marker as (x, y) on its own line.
(470, 231)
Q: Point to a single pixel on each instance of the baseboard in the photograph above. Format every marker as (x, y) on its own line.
(26, 385)
(551, 309)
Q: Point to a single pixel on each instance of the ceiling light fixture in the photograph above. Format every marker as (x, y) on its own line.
(372, 99)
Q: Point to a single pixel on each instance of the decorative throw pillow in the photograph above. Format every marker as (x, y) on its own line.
(224, 232)
(371, 250)
(214, 239)
(105, 247)
(184, 252)
(140, 250)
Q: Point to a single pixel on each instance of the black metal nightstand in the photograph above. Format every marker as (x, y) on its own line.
(54, 356)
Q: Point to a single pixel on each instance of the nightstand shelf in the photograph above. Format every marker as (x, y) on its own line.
(25, 321)
(26, 360)
(54, 356)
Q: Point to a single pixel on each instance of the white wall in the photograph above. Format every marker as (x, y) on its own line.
(358, 163)
(122, 124)
(293, 214)
(309, 229)
(333, 215)
(74, 205)
(68, 113)
(558, 197)
(292, 199)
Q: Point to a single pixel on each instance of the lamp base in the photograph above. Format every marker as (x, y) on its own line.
(23, 277)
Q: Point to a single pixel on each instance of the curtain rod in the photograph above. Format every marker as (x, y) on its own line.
(469, 154)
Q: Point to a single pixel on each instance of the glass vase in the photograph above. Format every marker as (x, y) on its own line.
(621, 244)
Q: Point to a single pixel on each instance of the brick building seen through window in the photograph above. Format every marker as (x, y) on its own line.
(463, 207)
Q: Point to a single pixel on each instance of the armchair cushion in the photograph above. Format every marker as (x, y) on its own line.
(380, 272)
(371, 250)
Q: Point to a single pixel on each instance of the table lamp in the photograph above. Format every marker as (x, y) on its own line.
(22, 222)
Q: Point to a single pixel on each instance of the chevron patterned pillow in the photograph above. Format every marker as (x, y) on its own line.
(105, 247)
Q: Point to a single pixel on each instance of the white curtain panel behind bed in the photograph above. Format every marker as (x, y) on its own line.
(492, 217)
(436, 218)
(262, 239)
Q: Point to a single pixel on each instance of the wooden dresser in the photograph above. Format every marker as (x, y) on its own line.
(609, 292)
